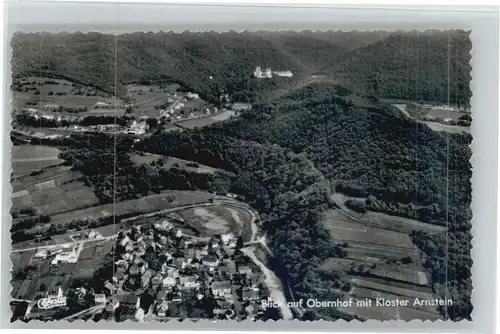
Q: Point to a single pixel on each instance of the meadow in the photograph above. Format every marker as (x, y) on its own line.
(27, 159)
(51, 191)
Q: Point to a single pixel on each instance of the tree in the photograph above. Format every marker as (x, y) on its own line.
(239, 242)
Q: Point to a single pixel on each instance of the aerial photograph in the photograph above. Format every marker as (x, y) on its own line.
(241, 175)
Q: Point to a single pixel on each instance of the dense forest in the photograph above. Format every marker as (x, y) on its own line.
(413, 65)
(405, 65)
(368, 148)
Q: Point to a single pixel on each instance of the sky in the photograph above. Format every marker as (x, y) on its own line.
(117, 18)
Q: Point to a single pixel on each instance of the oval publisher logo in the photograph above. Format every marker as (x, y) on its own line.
(48, 303)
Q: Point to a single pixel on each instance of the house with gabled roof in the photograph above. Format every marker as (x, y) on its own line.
(221, 288)
(112, 305)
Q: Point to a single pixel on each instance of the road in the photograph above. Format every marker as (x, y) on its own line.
(261, 242)
(147, 215)
(171, 107)
(64, 245)
(93, 309)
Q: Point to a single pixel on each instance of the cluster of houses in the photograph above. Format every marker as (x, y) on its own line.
(165, 272)
(178, 102)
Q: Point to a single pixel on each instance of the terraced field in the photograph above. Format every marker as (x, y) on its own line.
(381, 262)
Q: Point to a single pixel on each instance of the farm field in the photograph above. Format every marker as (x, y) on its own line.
(157, 202)
(30, 158)
(137, 89)
(206, 120)
(399, 273)
(390, 313)
(445, 113)
(169, 162)
(366, 283)
(383, 220)
(440, 113)
(46, 94)
(374, 262)
(401, 224)
(345, 229)
(147, 99)
(51, 191)
(46, 103)
(447, 128)
(22, 259)
(39, 132)
(104, 231)
(360, 250)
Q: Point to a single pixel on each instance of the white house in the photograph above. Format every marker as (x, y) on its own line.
(284, 74)
(221, 288)
(226, 238)
(189, 282)
(168, 282)
(67, 255)
(162, 308)
(41, 254)
(100, 298)
(124, 241)
(258, 73)
(211, 261)
(139, 315)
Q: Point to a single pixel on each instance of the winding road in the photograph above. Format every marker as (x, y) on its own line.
(273, 284)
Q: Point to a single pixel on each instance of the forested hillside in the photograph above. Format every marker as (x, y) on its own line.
(412, 65)
(367, 147)
(349, 40)
(288, 156)
(187, 58)
(404, 65)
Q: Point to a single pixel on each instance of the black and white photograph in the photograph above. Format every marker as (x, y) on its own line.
(254, 174)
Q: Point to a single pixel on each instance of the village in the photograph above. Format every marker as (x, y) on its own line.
(165, 272)
(162, 271)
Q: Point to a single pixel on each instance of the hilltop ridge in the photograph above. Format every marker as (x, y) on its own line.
(404, 65)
